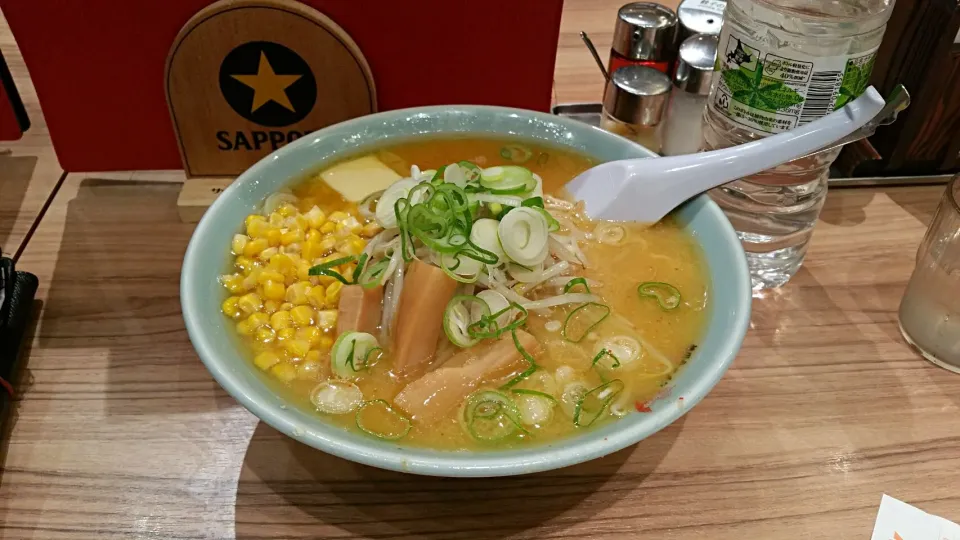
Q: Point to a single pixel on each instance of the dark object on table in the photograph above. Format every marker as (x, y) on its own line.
(17, 290)
(920, 51)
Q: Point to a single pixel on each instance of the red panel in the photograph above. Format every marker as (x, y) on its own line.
(98, 65)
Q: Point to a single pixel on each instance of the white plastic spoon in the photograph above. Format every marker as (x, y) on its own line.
(646, 190)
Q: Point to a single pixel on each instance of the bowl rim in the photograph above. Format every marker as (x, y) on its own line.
(450, 463)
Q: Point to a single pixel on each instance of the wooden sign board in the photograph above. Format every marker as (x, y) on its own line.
(245, 77)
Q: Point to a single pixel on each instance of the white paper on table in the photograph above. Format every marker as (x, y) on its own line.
(897, 520)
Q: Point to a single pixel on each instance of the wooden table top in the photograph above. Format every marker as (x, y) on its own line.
(120, 432)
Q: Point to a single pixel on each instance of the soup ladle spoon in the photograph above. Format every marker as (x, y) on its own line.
(645, 190)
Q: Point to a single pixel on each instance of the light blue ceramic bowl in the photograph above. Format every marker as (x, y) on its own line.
(211, 333)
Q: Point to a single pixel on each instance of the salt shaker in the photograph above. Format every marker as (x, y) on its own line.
(691, 85)
(645, 34)
(633, 104)
(700, 17)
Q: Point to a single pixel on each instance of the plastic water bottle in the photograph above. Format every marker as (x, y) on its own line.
(782, 64)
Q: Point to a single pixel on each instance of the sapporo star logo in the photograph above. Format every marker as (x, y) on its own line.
(267, 83)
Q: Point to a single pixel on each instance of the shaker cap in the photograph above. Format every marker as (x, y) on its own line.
(701, 17)
(637, 95)
(695, 65)
(646, 31)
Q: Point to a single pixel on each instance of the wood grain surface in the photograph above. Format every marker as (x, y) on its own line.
(121, 433)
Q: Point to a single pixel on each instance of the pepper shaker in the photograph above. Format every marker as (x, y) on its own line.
(633, 104)
(645, 34)
(691, 85)
(700, 17)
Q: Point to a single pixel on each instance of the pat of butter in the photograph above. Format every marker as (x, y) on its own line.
(360, 177)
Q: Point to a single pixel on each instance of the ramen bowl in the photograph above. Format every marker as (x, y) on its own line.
(214, 338)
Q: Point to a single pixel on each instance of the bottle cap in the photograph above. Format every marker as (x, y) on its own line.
(698, 56)
(700, 17)
(646, 31)
(637, 95)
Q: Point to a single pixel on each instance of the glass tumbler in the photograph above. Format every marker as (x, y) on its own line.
(930, 308)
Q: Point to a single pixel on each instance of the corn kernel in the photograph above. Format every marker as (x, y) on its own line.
(274, 290)
(338, 216)
(251, 280)
(328, 227)
(267, 253)
(347, 270)
(310, 334)
(296, 348)
(313, 235)
(257, 320)
(371, 229)
(309, 369)
(317, 296)
(254, 247)
(281, 263)
(301, 222)
(287, 210)
(284, 372)
(245, 264)
(333, 293)
(327, 319)
(328, 244)
(302, 315)
(273, 236)
(311, 250)
(270, 307)
(297, 293)
(280, 320)
(267, 274)
(266, 360)
(275, 220)
(265, 334)
(286, 333)
(316, 217)
(250, 303)
(257, 228)
(291, 237)
(238, 243)
(286, 306)
(251, 218)
(231, 307)
(326, 342)
(348, 226)
(234, 283)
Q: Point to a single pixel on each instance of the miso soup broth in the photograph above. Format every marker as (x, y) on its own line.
(443, 293)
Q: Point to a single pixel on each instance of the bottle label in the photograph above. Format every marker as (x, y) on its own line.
(772, 93)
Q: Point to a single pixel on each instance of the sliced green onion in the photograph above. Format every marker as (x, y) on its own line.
(490, 416)
(461, 311)
(394, 425)
(453, 174)
(582, 320)
(485, 236)
(597, 363)
(497, 304)
(471, 171)
(531, 369)
(460, 267)
(595, 402)
(373, 274)
(574, 282)
(624, 348)
(524, 233)
(508, 179)
(365, 206)
(516, 153)
(552, 224)
(667, 296)
(336, 397)
(325, 269)
(386, 216)
(359, 268)
(533, 202)
(488, 327)
(536, 408)
(352, 352)
(438, 176)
